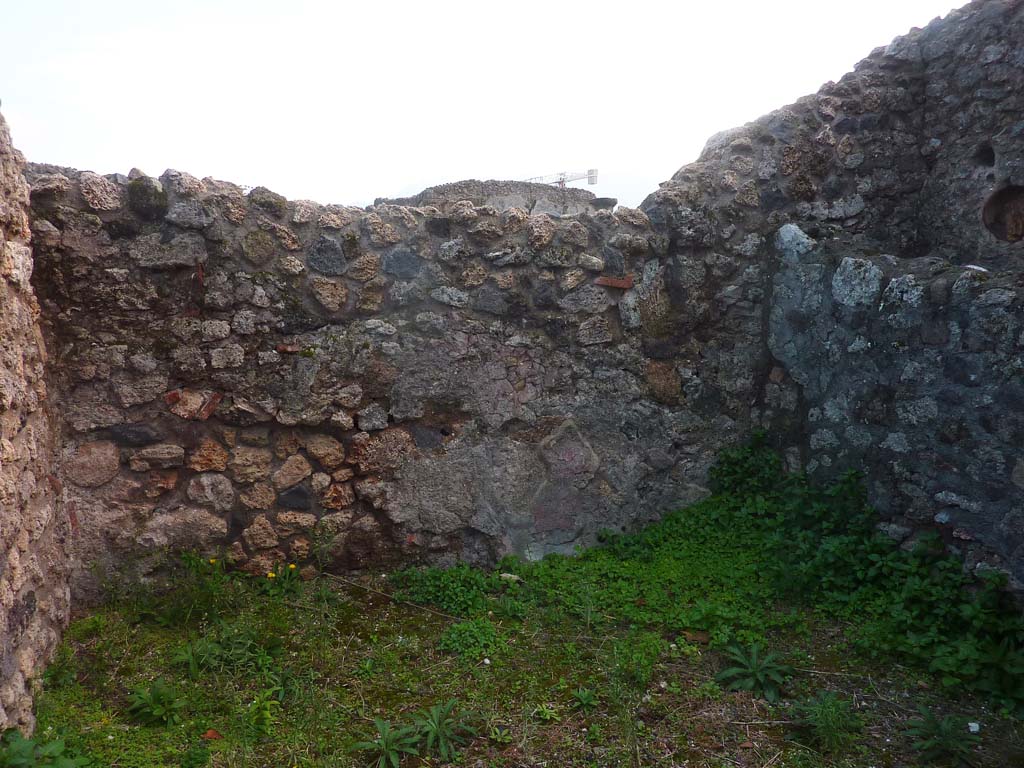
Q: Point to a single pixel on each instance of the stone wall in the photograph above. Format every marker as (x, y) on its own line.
(297, 381)
(531, 197)
(474, 372)
(33, 532)
(870, 239)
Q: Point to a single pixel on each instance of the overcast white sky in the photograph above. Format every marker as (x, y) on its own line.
(344, 102)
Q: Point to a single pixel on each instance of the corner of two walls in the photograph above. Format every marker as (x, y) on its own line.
(279, 379)
(872, 235)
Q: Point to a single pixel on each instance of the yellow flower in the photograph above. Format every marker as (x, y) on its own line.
(291, 567)
(213, 561)
(271, 574)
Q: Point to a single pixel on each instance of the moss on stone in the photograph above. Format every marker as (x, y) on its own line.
(147, 198)
(258, 247)
(271, 202)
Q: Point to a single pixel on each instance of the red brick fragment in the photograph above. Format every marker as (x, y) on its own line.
(210, 406)
(625, 283)
(194, 405)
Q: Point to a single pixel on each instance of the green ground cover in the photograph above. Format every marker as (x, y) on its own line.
(767, 625)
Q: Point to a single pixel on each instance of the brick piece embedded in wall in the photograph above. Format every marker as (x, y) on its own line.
(194, 405)
(624, 283)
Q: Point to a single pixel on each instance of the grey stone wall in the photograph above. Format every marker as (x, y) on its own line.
(34, 533)
(881, 220)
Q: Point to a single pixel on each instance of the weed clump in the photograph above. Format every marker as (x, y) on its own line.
(159, 704)
(829, 721)
(390, 744)
(18, 752)
(439, 731)
(946, 739)
(460, 591)
(635, 656)
(756, 671)
(472, 639)
(444, 729)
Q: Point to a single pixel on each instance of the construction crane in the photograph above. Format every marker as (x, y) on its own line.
(561, 179)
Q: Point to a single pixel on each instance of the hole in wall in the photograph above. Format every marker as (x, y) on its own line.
(985, 155)
(1003, 214)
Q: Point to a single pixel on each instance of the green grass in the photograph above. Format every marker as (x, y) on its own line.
(699, 568)
(298, 676)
